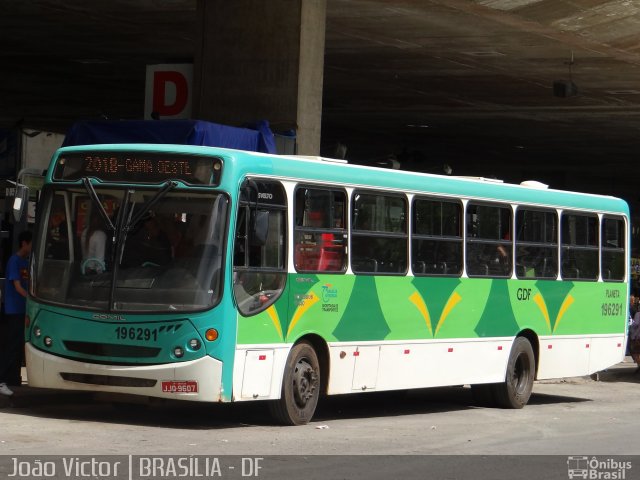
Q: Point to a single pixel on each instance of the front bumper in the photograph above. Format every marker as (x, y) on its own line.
(50, 371)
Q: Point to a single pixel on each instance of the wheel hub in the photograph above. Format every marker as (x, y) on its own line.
(305, 380)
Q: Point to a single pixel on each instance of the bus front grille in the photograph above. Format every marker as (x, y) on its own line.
(108, 380)
(111, 350)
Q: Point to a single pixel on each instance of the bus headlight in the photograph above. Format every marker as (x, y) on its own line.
(48, 341)
(178, 352)
(37, 332)
(194, 344)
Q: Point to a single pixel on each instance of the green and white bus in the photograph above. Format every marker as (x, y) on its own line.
(221, 275)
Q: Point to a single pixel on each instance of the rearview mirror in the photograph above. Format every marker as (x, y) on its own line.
(20, 202)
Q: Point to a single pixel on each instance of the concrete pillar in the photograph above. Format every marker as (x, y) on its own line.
(258, 59)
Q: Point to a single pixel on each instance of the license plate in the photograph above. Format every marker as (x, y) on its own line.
(189, 386)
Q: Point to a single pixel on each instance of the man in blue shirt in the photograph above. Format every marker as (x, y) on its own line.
(15, 298)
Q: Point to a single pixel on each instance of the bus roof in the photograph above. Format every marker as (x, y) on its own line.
(360, 176)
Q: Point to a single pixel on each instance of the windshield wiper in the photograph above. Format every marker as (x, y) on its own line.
(126, 225)
(166, 188)
(96, 202)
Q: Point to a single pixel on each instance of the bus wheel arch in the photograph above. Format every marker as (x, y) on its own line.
(535, 345)
(302, 382)
(322, 351)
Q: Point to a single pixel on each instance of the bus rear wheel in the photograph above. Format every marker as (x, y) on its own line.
(515, 391)
(300, 387)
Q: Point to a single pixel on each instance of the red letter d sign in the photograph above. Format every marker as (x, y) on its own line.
(168, 91)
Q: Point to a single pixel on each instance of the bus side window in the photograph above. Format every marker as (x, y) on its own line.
(436, 237)
(259, 272)
(489, 241)
(320, 238)
(580, 246)
(613, 246)
(536, 243)
(379, 234)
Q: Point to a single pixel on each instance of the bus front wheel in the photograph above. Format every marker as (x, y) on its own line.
(515, 391)
(300, 387)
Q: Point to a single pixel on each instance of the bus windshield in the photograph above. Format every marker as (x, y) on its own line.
(119, 249)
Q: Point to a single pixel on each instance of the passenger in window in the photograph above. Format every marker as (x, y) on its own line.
(57, 238)
(501, 254)
(502, 258)
(93, 242)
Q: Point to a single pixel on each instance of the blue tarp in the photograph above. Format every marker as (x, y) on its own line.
(180, 132)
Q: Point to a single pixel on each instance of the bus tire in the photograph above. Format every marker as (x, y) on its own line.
(515, 391)
(300, 387)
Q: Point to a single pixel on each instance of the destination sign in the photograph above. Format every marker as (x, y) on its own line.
(139, 167)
